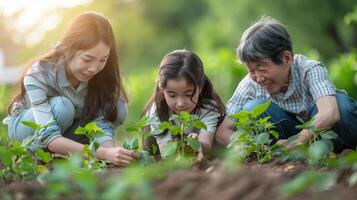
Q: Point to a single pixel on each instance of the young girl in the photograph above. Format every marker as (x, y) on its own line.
(183, 86)
(76, 82)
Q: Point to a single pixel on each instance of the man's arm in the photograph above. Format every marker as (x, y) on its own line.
(327, 116)
(224, 131)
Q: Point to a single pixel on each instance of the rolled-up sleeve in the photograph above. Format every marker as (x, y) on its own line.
(109, 127)
(243, 93)
(319, 82)
(211, 119)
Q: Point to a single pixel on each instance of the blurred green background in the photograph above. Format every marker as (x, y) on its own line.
(147, 29)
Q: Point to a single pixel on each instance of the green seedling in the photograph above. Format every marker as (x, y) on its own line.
(321, 145)
(133, 144)
(184, 146)
(253, 134)
(319, 180)
(18, 161)
(91, 131)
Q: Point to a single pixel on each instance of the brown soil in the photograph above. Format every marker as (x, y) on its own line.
(252, 181)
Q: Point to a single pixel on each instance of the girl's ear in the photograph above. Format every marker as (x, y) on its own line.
(199, 91)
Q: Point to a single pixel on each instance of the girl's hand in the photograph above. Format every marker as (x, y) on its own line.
(193, 136)
(119, 156)
(200, 155)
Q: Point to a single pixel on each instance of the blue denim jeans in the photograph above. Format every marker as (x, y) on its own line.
(285, 122)
(63, 112)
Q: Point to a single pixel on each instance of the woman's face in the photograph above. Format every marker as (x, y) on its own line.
(87, 63)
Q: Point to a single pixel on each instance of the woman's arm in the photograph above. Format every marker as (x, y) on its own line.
(116, 155)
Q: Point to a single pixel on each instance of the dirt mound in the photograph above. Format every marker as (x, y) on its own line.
(254, 181)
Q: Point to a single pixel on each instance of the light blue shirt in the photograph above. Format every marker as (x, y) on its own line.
(44, 81)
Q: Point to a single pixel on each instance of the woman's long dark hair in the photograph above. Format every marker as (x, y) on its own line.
(105, 88)
(184, 64)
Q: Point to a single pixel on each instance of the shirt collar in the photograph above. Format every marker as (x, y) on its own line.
(292, 84)
(63, 81)
(62, 77)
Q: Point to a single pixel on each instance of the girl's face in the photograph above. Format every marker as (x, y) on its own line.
(87, 63)
(178, 93)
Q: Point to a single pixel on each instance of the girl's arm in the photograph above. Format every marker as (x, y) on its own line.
(206, 139)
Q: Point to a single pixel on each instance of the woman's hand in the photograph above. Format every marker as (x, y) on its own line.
(117, 155)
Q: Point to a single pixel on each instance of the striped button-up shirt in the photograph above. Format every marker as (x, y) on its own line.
(44, 81)
(308, 82)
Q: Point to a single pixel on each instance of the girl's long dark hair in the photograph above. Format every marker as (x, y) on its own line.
(105, 88)
(184, 64)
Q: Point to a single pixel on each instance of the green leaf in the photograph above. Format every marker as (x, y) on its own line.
(240, 115)
(174, 130)
(146, 158)
(169, 149)
(199, 124)
(352, 181)
(80, 131)
(154, 148)
(28, 140)
(93, 146)
(44, 156)
(131, 144)
(86, 150)
(184, 116)
(274, 134)
(260, 109)
(265, 158)
(328, 135)
(32, 125)
(41, 169)
(131, 129)
(147, 134)
(298, 184)
(292, 138)
(164, 125)
(326, 181)
(193, 143)
(5, 156)
(262, 138)
(320, 149)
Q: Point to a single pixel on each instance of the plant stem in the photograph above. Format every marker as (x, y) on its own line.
(182, 140)
(142, 138)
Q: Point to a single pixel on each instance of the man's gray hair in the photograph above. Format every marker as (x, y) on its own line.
(267, 38)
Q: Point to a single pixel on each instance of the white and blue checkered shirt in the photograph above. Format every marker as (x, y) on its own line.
(308, 82)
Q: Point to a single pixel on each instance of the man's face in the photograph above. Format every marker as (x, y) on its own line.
(274, 78)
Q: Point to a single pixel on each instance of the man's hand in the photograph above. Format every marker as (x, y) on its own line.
(304, 137)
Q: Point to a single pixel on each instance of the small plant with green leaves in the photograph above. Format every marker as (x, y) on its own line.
(184, 146)
(253, 134)
(319, 147)
(91, 131)
(321, 181)
(133, 144)
(18, 162)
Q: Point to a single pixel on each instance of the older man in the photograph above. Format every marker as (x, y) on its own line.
(295, 84)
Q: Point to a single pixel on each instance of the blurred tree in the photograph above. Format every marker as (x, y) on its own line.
(312, 24)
